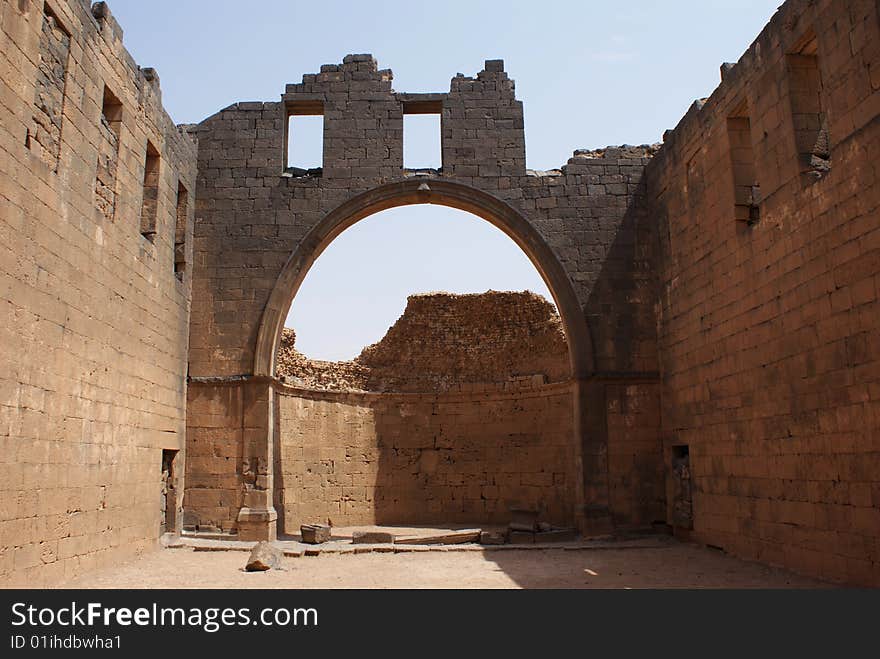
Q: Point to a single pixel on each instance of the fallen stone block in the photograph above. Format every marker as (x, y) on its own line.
(264, 556)
(371, 537)
(446, 538)
(315, 534)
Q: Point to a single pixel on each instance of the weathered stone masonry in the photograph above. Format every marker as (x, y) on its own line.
(762, 208)
(93, 323)
(462, 410)
(259, 228)
(770, 326)
(719, 301)
(448, 342)
(44, 133)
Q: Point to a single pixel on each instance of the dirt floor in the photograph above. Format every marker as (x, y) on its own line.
(658, 564)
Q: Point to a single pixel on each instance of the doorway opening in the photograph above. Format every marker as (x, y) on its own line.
(168, 505)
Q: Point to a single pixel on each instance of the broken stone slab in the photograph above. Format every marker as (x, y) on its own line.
(445, 538)
(264, 556)
(371, 538)
(315, 534)
(493, 537)
(523, 519)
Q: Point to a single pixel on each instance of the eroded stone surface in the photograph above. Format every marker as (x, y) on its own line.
(93, 323)
(264, 556)
(718, 293)
(448, 342)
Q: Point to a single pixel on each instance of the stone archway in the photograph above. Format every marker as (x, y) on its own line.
(258, 521)
(261, 223)
(426, 191)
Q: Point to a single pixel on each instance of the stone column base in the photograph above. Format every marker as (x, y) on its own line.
(257, 524)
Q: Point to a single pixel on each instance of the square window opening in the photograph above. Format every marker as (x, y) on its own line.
(168, 504)
(305, 141)
(421, 142)
(111, 111)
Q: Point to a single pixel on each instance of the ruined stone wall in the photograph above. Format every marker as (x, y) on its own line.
(295, 368)
(93, 322)
(768, 196)
(461, 426)
(394, 458)
(448, 342)
(255, 214)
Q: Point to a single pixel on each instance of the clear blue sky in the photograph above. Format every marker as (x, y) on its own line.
(589, 73)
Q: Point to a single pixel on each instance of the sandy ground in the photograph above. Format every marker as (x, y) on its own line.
(668, 564)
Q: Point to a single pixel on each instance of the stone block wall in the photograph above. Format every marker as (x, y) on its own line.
(723, 296)
(214, 489)
(444, 458)
(257, 216)
(482, 126)
(455, 421)
(769, 335)
(254, 216)
(637, 479)
(93, 323)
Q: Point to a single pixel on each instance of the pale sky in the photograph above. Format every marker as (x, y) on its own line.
(590, 74)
